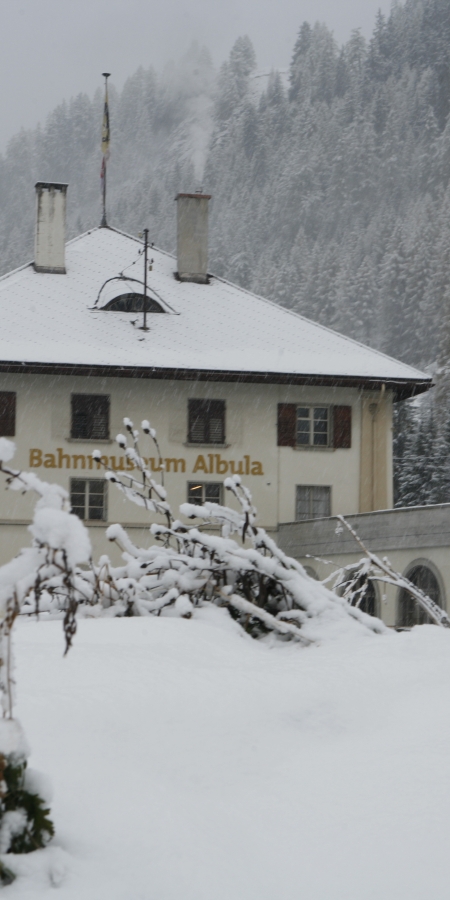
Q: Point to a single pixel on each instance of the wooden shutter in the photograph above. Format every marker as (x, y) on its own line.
(7, 413)
(216, 421)
(342, 427)
(100, 418)
(206, 421)
(287, 415)
(196, 422)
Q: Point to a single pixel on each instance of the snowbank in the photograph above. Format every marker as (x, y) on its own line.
(192, 763)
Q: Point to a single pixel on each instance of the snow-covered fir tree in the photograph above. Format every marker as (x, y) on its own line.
(421, 454)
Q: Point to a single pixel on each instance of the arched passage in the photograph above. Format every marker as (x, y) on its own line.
(425, 577)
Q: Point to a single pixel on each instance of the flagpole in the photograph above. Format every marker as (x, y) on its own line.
(104, 222)
(144, 327)
(105, 147)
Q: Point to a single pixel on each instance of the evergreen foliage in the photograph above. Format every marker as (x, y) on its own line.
(36, 828)
(421, 454)
(340, 207)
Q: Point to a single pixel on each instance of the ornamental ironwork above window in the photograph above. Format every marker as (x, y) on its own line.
(133, 302)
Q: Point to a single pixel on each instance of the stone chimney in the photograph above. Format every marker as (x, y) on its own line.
(49, 246)
(192, 237)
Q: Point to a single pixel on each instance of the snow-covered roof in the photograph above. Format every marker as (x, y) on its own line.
(51, 320)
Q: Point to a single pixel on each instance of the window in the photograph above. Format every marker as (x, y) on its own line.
(314, 426)
(312, 502)
(205, 492)
(7, 413)
(206, 422)
(409, 613)
(88, 498)
(133, 303)
(90, 417)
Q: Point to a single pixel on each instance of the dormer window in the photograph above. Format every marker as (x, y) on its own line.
(133, 303)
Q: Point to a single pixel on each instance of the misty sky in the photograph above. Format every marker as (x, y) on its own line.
(54, 49)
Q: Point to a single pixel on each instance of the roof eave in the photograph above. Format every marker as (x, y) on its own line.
(403, 388)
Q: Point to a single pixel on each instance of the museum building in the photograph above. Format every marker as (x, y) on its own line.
(232, 382)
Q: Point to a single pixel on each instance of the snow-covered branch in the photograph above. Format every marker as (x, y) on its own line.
(356, 578)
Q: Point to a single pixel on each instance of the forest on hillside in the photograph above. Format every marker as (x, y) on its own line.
(330, 184)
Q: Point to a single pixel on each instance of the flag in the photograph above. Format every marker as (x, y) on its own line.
(105, 127)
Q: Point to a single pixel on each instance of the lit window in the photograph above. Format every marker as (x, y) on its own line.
(133, 302)
(204, 492)
(312, 502)
(206, 422)
(313, 426)
(88, 498)
(90, 417)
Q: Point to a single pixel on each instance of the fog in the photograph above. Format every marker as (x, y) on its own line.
(53, 50)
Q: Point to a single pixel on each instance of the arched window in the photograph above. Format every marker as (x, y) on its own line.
(132, 302)
(409, 613)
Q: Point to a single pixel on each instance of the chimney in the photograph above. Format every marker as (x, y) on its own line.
(49, 247)
(192, 237)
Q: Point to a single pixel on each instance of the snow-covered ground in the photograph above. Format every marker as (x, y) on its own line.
(192, 763)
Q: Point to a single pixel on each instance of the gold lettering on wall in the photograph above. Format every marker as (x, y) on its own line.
(174, 463)
(35, 458)
(210, 464)
(63, 456)
(200, 465)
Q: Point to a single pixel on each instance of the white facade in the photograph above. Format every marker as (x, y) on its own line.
(44, 444)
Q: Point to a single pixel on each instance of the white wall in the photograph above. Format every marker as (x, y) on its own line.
(43, 423)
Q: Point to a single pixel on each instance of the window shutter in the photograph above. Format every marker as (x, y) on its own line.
(342, 427)
(100, 418)
(206, 421)
(90, 417)
(7, 413)
(287, 415)
(196, 422)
